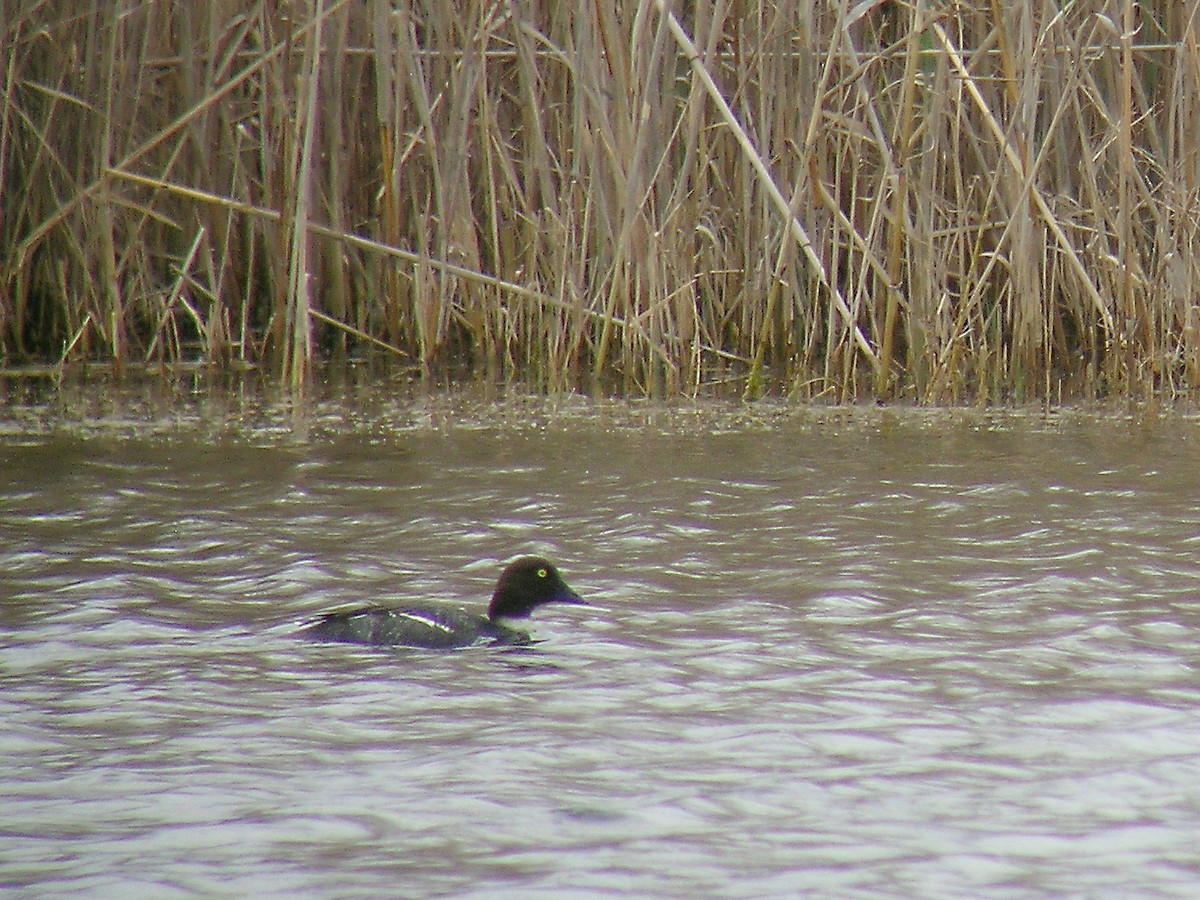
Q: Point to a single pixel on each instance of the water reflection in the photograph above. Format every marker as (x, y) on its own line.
(927, 654)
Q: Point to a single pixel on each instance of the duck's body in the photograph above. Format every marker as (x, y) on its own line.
(434, 627)
(524, 585)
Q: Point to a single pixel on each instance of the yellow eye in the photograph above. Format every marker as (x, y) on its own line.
(542, 573)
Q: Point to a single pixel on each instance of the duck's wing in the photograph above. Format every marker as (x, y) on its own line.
(408, 626)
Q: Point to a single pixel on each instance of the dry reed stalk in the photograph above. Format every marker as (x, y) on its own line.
(760, 168)
(900, 228)
(357, 242)
(297, 341)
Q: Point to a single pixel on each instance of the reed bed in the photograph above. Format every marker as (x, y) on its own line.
(932, 201)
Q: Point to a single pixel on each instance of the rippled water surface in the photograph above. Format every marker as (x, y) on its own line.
(871, 652)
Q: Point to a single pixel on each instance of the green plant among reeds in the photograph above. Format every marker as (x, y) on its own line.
(928, 201)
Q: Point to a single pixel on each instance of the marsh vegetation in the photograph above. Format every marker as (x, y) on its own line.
(932, 201)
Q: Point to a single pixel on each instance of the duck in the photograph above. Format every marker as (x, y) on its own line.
(525, 584)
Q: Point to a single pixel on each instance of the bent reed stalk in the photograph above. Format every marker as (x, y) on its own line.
(922, 201)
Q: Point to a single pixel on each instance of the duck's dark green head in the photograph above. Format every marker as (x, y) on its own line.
(526, 584)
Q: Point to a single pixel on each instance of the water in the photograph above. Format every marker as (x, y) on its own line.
(865, 653)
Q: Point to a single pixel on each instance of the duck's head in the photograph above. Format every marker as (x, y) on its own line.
(526, 584)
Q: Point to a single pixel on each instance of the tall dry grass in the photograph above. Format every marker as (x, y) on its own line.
(929, 200)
